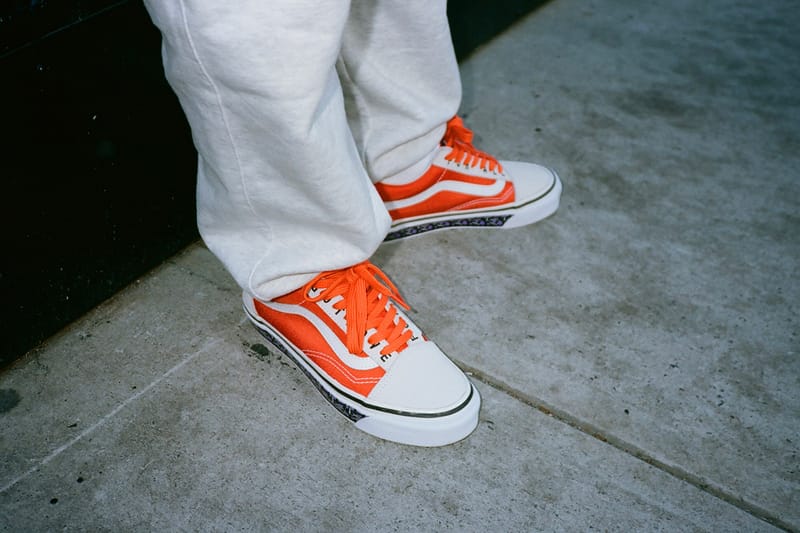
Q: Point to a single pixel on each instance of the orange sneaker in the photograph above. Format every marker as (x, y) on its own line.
(347, 333)
(464, 187)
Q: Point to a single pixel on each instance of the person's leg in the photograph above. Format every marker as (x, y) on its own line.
(402, 90)
(282, 194)
(401, 82)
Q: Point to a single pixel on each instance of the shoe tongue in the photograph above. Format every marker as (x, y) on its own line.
(457, 134)
(367, 295)
(340, 318)
(415, 337)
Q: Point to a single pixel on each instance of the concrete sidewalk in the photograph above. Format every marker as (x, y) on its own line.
(636, 353)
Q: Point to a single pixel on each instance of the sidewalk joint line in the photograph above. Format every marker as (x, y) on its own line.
(77, 438)
(628, 448)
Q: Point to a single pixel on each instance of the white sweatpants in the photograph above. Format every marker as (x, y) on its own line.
(296, 107)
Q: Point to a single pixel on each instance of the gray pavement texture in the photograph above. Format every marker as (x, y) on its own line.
(637, 353)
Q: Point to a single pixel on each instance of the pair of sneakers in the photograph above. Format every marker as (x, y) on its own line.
(347, 330)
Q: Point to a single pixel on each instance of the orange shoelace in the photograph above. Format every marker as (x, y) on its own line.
(365, 292)
(459, 138)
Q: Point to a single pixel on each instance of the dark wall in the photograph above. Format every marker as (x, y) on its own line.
(97, 163)
(97, 160)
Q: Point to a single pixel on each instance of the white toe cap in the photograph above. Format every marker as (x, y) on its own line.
(422, 380)
(530, 180)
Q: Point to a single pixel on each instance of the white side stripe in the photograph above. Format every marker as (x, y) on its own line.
(473, 189)
(353, 361)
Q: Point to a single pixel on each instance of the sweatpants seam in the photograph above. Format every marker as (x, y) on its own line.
(228, 132)
(366, 123)
(220, 105)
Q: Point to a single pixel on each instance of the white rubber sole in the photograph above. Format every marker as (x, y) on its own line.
(514, 216)
(416, 429)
